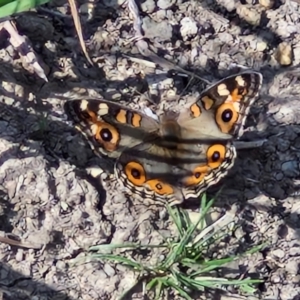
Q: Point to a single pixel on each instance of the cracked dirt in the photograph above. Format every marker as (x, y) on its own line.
(57, 211)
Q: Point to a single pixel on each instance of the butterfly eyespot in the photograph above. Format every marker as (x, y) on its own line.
(135, 173)
(106, 135)
(227, 116)
(216, 155)
(198, 175)
(160, 187)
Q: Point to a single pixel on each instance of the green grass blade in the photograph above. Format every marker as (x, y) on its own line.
(106, 247)
(125, 246)
(119, 259)
(203, 204)
(158, 283)
(175, 216)
(204, 209)
(247, 289)
(8, 8)
(212, 265)
(159, 289)
(182, 293)
(153, 282)
(213, 282)
(4, 2)
(180, 248)
(169, 282)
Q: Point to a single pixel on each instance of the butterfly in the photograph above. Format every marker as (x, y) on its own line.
(178, 156)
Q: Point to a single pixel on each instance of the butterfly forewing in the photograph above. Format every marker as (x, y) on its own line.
(227, 102)
(109, 127)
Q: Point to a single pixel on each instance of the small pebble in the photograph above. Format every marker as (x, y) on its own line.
(283, 146)
(278, 253)
(294, 251)
(276, 279)
(267, 3)
(284, 54)
(239, 233)
(292, 267)
(188, 28)
(279, 176)
(261, 46)
(148, 6)
(162, 30)
(87, 9)
(109, 270)
(165, 4)
(20, 255)
(290, 168)
(249, 14)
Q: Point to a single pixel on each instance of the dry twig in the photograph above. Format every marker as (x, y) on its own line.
(29, 58)
(79, 29)
(7, 240)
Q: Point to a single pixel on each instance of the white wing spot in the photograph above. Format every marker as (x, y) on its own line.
(240, 80)
(222, 90)
(83, 105)
(103, 109)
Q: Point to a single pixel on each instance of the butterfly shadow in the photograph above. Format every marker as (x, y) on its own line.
(16, 285)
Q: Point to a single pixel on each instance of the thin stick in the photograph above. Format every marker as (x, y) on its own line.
(248, 145)
(23, 244)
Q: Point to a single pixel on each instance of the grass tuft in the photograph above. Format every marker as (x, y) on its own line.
(186, 267)
(10, 7)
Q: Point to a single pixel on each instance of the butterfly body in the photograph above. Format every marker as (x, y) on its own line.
(178, 156)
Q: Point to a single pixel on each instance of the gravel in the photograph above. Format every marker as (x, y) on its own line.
(52, 208)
